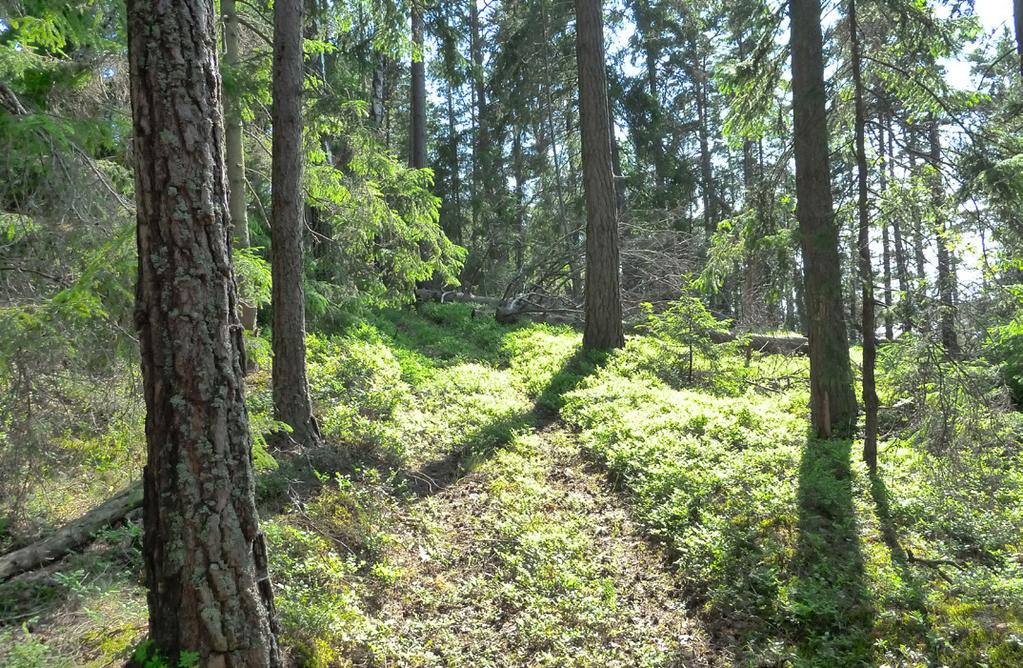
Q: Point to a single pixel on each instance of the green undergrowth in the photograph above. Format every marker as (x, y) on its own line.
(434, 528)
(795, 554)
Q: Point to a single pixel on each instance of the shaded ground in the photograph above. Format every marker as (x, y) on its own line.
(531, 560)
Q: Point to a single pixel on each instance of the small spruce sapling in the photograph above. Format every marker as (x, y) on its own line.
(686, 325)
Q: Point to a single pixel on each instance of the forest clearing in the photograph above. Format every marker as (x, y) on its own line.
(514, 333)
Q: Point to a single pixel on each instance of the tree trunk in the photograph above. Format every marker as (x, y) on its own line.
(603, 297)
(292, 405)
(832, 398)
(946, 284)
(205, 559)
(643, 13)
(566, 223)
(376, 108)
(418, 148)
(1018, 11)
(454, 228)
(886, 241)
(518, 171)
(706, 166)
(234, 150)
(901, 260)
(870, 400)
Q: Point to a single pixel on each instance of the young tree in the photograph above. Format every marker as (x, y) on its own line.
(209, 592)
(832, 398)
(603, 292)
(292, 405)
(870, 400)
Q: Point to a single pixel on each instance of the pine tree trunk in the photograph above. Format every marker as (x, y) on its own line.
(946, 283)
(706, 166)
(234, 150)
(205, 558)
(886, 242)
(292, 405)
(418, 149)
(454, 229)
(832, 399)
(1018, 11)
(566, 225)
(603, 297)
(901, 261)
(643, 13)
(870, 400)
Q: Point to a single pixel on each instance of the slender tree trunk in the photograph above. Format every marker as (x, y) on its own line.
(519, 169)
(292, 405)
(603, 292)
(870, 401)
(886, 242)
(566, 223)
(418, 148)
(643, 13)
(706, 166)
(205, 558)
(454, 230)
(1018, 11)
(946, 284)
(901, 261)
(832, 398)
(234, 150)
(377, 112)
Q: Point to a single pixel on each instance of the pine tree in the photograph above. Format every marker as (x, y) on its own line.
(603, 293)
(292, 404)
(832, 399)
(205, 558)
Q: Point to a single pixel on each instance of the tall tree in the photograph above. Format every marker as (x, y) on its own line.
(1018, 11)
(292, 405)
(206, 571)
(870, 401)
(946, 282)
(603, 292)
(832, 398)
(234, 150)
(418, 101)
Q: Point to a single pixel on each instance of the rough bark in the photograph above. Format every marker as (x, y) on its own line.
(71, 536)
(205, 558)
(292, 405)
(833, 405)
(870, 400)
(418, 101)
(234, 150)
(946, 282)
(603, 297)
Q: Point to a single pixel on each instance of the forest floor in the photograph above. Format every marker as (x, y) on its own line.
(490, 496)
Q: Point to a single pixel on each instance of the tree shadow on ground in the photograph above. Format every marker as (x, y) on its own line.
(439, 474)
(831, 614)
(914, 586)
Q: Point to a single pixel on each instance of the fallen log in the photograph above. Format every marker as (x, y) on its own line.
(511, 310)
(449, 296)
(71, 536)
(771, 345)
